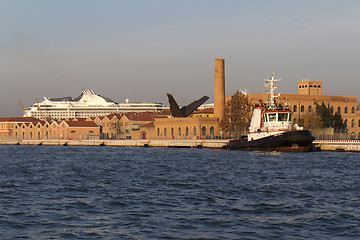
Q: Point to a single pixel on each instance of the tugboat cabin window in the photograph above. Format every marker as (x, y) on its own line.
(272, 117)
(283, 117)
(264, 116)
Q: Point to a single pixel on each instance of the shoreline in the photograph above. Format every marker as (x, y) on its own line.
(319, 145)
(213, 143)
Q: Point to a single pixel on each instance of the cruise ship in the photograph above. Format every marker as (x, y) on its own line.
(88, 104)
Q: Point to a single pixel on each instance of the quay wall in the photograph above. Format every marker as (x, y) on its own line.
(209, 143)
(322, 145)
(337, 145)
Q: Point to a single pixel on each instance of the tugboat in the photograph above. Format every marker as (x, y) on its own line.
(271, 128)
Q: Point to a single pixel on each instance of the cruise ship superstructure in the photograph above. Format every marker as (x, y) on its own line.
(88, 104)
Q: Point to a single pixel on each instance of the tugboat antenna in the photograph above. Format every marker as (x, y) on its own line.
(270, 84)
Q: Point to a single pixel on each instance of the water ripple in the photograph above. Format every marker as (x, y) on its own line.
(146, 193)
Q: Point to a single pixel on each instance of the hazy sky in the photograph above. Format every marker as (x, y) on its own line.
(141, 49)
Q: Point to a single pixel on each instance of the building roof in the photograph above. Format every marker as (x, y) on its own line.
(150, 124)
(19, 119)
(81, 124)
(205, 111)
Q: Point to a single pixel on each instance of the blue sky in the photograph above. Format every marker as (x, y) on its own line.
(141, 50)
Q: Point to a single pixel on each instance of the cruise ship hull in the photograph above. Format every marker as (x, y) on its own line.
(291, 141)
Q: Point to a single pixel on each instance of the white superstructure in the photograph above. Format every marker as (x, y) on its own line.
(88, 104)
(270, 120)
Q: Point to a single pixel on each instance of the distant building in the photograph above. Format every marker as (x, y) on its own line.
(28, 128)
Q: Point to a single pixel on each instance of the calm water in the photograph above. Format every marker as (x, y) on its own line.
(154, 193)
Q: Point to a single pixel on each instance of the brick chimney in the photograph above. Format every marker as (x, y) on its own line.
(219, 89)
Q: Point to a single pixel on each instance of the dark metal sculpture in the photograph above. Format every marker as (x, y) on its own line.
(186, 110)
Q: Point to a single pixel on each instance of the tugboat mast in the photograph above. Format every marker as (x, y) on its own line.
(270, 84)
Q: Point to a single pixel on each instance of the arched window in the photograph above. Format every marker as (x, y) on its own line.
(345, 122)
(339, 109)
(186, 131)
(309, 108)
(332, 109)
(352, 123)
(195, 129)
(179, 131)
(302, 108)
(164, 132)
(346, 110)
(353, 110)
(172, 131)
(294, 108)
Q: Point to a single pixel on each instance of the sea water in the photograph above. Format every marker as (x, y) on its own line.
(57, 192)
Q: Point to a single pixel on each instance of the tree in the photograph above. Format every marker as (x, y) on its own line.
(323, 118)
(311, 121)
(237, 116)
(116, 128)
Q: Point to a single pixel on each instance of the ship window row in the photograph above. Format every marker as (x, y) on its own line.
(273, 117)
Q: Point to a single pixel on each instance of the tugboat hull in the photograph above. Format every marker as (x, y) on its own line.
(292, 141)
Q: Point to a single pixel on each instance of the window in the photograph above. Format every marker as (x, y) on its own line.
(172, 131)
(332, 109)
(272, 117)
(91, 131)
(302, 108)
(264, 117)
(203, 131)
(345, 122)
(179, 131)
(195, 129)
(353, 110)
(164, 132)
(295, 108)
(346, 110)
(339, 109)
(158, 132)
(72, 131)
(186, 131)
(283, 117)
(309, 109)
(352, 123)
(212, 131)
